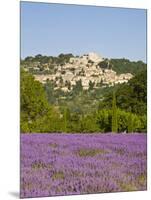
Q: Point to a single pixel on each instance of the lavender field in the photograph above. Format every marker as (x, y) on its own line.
(64, 164)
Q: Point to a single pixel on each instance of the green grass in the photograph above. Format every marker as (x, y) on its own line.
(53, 145)
(58, 175)
(38, 165)
(90, 152)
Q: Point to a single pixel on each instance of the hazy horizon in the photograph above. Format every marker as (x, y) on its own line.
(81, 55)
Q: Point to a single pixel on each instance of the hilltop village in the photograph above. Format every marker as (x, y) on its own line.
(90, 68)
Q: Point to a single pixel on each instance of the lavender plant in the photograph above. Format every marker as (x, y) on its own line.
(64, 164)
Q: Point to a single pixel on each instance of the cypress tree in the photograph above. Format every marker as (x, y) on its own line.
(65, 120)
(130, 123)
(114, 115)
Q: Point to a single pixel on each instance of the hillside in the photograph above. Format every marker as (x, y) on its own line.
(65, 104)
(126, 66)
(91, 69)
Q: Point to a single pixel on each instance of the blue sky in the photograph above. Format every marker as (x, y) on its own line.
(51, 29)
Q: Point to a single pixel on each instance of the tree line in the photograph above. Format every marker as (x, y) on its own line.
(39, 115)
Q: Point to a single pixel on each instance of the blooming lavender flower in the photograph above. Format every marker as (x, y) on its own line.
(64, 164)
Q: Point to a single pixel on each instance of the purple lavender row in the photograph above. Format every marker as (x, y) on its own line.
(64, 164)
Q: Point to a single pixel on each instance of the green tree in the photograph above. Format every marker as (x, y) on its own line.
(103, 119)
(130, 123)
(33, 104)
(88, 125)
(65, 120)
(114, 115)
(78, 87)
(91, 85)
(33, 97)
(130, 96)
